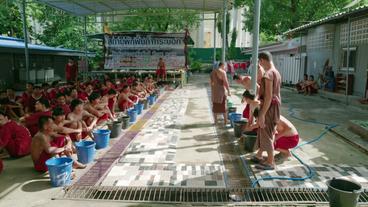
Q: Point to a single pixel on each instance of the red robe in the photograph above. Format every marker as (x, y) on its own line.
(65, 107)
(16, 139)
(32, 121)
(31, 103)
(71, 72)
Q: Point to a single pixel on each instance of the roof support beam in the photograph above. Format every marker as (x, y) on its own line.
(257, 12)
(26, 52)
(223, 59)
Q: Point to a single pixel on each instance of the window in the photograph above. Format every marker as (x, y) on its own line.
(352, 59)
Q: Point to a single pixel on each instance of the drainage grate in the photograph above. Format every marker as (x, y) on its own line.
(200, 195)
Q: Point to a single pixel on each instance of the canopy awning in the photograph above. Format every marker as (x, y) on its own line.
(91, 7)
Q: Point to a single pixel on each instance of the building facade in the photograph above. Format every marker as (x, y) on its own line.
(203, 36)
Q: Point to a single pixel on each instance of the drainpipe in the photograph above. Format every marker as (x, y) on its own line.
(347, 61)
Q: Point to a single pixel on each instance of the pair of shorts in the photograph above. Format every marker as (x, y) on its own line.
(287, 142)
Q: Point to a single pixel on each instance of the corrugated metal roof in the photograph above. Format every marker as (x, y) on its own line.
(16, 43)
(89, 7)
(338, 16)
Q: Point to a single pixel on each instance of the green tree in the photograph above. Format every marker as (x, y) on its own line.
(280, 16)
(232, 49)
(157, 20)
(10, 19)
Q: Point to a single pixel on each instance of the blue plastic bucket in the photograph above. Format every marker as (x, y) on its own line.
(231, 118)
(85, 151)
(60, 170)
(151, 99)
(133, 115)
(102, 138)
(139, 108)
(235, 117)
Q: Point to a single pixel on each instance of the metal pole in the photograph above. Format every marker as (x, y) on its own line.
(26, 52)
(257, 11)
(300, 55)
(347, 62)
(85, 47)
(214, 39)
(223, 59)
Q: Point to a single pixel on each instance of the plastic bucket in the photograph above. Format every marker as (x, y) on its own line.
(125, 122)
(238, 127)
(235, 117)
(133, 115)
(139, 108)
(116, 129)
(229, 103)
(231, 118)
(85, 151)
(343, 193)
(250, 141)
(60, 170)
(102, 138)
(151, 99)
(145, 104)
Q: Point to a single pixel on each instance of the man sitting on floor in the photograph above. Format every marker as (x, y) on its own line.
(47, 144)
(300, 86)
(15, 138)
(286, 138)
(61, 102)
(58, 116)
(31, 101)
(97, 108)
(125, 99)
(42, 108)
(80, 119)
(311, 86)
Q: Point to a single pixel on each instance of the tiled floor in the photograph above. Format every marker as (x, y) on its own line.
(150, 159)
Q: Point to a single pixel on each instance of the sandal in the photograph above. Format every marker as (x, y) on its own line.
(256, 160)
(265, 166)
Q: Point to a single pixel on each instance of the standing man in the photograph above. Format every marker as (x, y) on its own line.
(71, 71)
(269, 114)
(161, 70)
(218, 84)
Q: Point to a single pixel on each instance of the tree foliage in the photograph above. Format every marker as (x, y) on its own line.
(10, 19)
(157, 20)
(279, 16)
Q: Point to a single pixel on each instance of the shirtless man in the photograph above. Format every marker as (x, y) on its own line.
(98, 108)
(78, 117)
(252, 114)
(60, 123)
(286, 138)
(124, 99)
(245, 81)
(46, 144)
(136, 90)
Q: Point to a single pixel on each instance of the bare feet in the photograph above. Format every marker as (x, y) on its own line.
(78, 165)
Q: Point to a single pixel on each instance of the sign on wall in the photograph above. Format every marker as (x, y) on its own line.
(142, 50)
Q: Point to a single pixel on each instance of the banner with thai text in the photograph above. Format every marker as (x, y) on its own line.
(142, 50)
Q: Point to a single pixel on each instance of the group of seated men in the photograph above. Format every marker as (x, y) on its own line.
(46, 120)
(307, 86)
